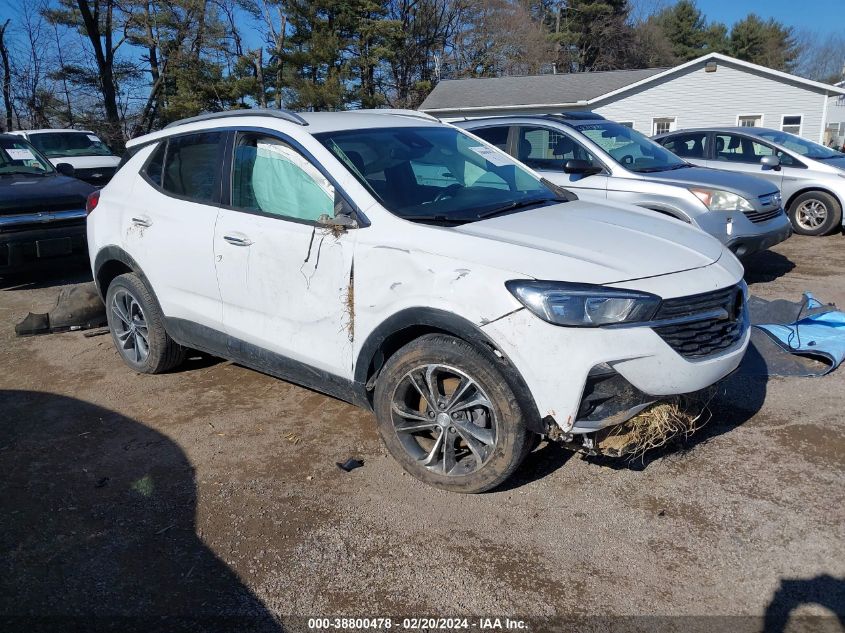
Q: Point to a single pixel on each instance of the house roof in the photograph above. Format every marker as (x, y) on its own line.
(576, 89)
(569, 88)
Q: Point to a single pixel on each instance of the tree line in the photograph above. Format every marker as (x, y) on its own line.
(126, 67)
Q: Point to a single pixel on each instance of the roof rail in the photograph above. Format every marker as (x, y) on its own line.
(416, 114)
(287, 115)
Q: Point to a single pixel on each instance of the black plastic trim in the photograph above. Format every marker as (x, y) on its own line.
(220, 344)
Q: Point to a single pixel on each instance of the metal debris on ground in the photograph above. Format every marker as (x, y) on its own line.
(350, 464)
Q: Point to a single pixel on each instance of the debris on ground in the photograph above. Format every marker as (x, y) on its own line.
(77, 308)
(350, 464)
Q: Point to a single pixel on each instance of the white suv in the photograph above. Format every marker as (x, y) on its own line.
(337, 251)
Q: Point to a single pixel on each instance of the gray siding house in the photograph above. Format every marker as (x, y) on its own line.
(711, 90)
(836, 118)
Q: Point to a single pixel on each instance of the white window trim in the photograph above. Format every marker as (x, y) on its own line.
(660, 118)
(800, 127)
(762, 118)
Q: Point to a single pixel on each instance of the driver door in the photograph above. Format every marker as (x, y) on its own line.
(285, 279)
(736, 152)
(546, 150)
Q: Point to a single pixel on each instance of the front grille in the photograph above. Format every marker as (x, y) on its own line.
(697, 338)
(97, 176)
(762, 216)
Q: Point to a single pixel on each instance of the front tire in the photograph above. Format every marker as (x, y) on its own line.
(137, 327)
(448, 416)
(815, 213)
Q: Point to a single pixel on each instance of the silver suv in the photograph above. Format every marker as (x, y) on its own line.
(604, 160)
(811, 176)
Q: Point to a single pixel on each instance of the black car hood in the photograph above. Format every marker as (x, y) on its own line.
(25, 193)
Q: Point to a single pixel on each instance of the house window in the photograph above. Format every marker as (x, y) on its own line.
(663, 125)
(750, 120)
(791, 124)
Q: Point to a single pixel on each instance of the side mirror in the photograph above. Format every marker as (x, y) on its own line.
(341, 222)
(770, 162)
(581, 167)
(66, 169)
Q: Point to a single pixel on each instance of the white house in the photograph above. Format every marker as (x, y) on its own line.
(711, 90)
(836, 118)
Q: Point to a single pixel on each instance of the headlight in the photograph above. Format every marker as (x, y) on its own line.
(583, 305)
(718, 200)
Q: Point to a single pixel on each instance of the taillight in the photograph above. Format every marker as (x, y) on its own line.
(92, 202)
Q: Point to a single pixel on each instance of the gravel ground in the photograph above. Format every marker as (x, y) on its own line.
(213, 491)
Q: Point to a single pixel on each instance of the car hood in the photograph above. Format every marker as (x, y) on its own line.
(87, 162)
(742, 184)
(21, 193)
(835, 162)
(594, 243)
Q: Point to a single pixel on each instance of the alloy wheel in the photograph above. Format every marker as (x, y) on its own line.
(444, 420)
(130, 327)
(811, 214)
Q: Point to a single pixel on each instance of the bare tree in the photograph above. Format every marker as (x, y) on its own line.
(821, 57)
(7, 75)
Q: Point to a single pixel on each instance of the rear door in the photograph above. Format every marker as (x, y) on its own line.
(693, 147)
(168, 224)
(285, 280)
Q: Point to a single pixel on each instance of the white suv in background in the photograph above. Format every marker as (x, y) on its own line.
(92, 160)
(403, 265)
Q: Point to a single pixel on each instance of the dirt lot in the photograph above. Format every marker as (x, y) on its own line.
(214, 491)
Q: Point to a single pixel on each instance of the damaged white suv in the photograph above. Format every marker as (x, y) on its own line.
(406, 266)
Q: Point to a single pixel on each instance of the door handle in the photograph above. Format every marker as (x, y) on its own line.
(142, 221)
(236, 240)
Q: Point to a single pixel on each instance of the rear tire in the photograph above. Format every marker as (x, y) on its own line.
(448, 416)
(137, 327)
(815, 213)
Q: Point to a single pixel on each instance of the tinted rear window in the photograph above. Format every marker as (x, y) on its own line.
(190, 167)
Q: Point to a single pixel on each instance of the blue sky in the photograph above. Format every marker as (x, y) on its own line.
(823, 16)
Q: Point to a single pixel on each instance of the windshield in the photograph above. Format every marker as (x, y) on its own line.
(436, 173)
(17, 156)
(799, 145)
(629, 148)
(57, 144)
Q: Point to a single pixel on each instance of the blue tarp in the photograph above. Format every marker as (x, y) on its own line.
(810, 329)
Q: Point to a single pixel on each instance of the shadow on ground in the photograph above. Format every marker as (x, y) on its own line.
(98, 528)
(766, 266)
(73, 272)
(824, 590)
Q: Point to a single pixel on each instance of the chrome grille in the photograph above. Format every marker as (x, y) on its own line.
(721, 324)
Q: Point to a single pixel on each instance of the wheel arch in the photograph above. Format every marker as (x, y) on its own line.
(410, 324)
(113, 261)
(810, 189)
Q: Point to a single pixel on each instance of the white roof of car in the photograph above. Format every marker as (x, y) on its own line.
(52, 131)
(310, 122)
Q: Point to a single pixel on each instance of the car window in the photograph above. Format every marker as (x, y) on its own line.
(545, 148)
(692, 145)
(269, 176)
(741, 149)
(155, 164)
(191, 166)
(497, 135)
(436, 173)
(629, 148)
(56, 144)
(17, 156)
(800, 145)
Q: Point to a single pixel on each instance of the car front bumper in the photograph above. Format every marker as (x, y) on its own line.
(39, 248)
(557, 362)
(742, 236)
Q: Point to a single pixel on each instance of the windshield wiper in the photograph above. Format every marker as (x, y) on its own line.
(516, 204)
(681, 166)
(18, 172)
